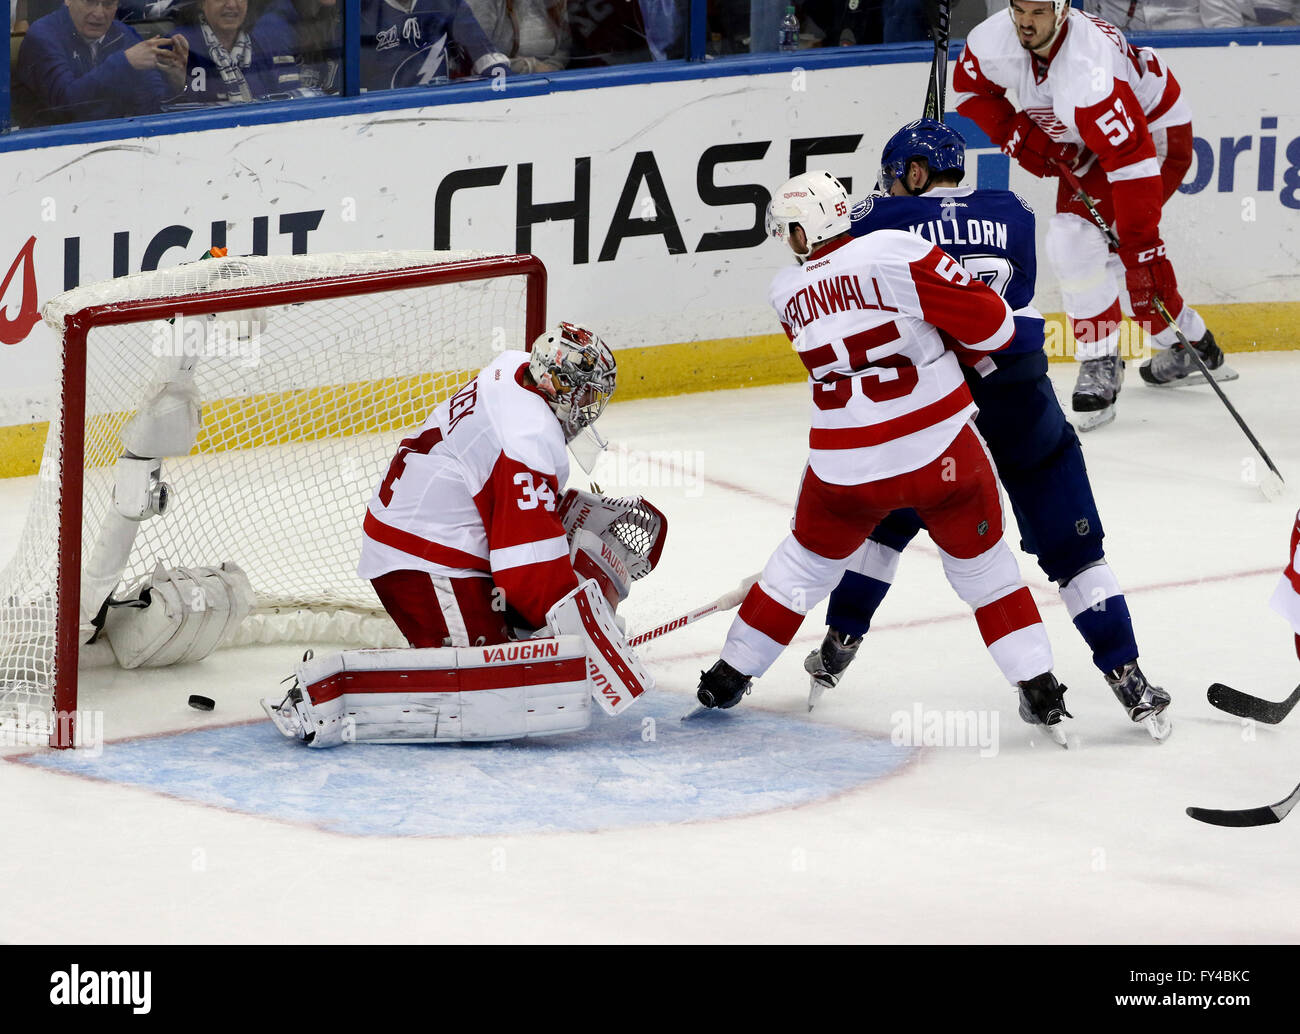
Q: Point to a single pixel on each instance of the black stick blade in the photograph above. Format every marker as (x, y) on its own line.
(1243, 705)
(1248, 816)
(1245, 817)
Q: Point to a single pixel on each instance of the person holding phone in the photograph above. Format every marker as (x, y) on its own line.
(80, 63)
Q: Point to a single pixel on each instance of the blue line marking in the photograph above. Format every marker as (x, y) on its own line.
(717, 766)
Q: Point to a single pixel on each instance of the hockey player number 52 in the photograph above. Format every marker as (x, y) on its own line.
(1115, 123)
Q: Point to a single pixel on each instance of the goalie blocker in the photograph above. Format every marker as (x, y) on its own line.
(534, 687)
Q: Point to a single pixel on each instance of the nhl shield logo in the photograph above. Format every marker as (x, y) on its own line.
(982, 528)
(1082, 527)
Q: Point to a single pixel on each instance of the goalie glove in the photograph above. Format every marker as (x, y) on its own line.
(613, 541)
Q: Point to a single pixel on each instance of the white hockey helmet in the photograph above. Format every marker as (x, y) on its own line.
(816, 201)
(575, 370)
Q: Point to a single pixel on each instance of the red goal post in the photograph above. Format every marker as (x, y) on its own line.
(449, 305)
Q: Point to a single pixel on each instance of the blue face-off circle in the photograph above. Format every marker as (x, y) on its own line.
(645, 767)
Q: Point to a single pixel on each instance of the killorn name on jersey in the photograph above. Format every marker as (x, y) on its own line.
(950, 231)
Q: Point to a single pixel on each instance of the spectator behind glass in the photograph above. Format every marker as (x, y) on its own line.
(80, 63)
(533, 34)
(233, 61)
(320, 47)
(1141, 15)
(616, 32)
(423, 42)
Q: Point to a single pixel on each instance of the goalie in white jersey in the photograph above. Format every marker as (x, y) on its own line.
(881, 322)
(472, 550)
(1115, 115)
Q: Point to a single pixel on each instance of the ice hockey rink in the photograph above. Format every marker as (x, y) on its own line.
(763, 824)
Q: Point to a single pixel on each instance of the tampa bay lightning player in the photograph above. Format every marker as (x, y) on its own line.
(991, 233)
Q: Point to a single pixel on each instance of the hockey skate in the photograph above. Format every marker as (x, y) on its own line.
(1174, 368)
(826, 664)
(1144, 702)
(1096, 390)
(287, 716)
(721, 686)
(1042, 702)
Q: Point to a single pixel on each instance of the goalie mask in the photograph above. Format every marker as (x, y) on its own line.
(816, 201)
(575, 370)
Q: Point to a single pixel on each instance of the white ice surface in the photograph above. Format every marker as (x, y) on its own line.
(1032, 844)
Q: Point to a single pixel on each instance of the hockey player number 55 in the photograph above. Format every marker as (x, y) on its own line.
(883, 377)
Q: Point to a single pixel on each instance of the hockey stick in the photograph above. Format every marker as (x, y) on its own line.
(937, 90)
(727, 601)
(1271, 490)
(1248, 816)
(1243, 705)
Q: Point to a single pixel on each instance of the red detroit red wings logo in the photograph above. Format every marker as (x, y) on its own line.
(1046, 120)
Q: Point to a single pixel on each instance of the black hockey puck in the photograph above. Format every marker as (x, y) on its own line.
(202, 703)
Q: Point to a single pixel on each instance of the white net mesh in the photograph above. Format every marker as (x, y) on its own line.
(302, 406)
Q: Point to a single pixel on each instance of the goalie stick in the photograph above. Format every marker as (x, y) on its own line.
(1264, 816)
(936, 92)
(1271, 487)
(1243, 705)
(727, 601)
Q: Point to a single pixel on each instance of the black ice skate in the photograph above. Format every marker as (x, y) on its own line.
(1096, 390)
(827, 663)
(1144, 702)
(1174, 368)
(722, 686)
(1042, 702)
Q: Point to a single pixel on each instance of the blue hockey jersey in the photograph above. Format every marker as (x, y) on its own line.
(990, 232)
(411, 45)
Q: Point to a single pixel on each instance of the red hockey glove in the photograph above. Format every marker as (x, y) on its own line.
(1149, 275)
(1037, 152)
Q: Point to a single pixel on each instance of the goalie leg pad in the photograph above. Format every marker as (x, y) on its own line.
(439, 694)
(178, 615)
(616, 674)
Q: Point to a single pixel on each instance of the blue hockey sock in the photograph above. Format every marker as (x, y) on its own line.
(1100, 613)
(854, 603)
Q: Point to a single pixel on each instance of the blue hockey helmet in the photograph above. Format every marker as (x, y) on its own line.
(941, 146)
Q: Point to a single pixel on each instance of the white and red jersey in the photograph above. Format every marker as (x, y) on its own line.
(876, 320)
(474, 492)
(1094, 89)
(1286, 597)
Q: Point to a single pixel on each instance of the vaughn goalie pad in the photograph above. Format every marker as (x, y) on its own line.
(537, 687)
(178, 615)
(616, 674)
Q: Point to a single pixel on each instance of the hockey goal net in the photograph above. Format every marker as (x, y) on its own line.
(307, 371)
